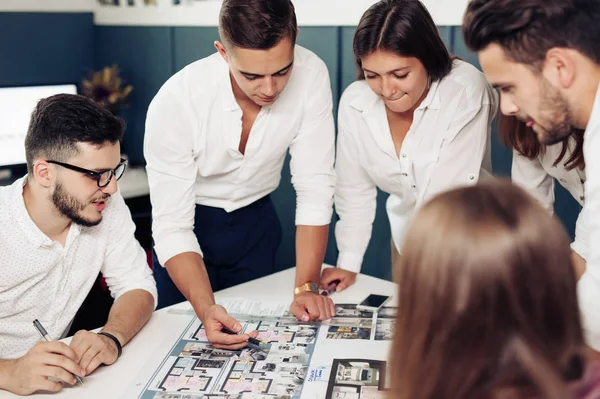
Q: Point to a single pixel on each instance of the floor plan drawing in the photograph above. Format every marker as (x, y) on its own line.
(195, 369)
(280, 368)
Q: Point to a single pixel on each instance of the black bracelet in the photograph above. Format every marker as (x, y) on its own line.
(116, 341)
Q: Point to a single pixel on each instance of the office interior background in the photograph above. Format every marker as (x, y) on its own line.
(52, 42)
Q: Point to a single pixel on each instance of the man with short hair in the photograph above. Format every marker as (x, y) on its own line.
(544, 57)
(217, 134)
(62, 224)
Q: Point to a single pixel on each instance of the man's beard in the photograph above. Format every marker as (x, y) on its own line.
(558, 126)
(71, 207)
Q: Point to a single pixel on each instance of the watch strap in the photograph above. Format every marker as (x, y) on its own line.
(307, 287)
(116, 341)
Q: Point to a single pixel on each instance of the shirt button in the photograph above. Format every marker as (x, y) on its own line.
(471, 177)
(563, 181)
(404, 155)
(413, 186)
(582, 198)
(404, 174)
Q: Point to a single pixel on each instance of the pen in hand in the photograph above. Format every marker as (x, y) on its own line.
(331, 288)
(38, 326)
(251, 340)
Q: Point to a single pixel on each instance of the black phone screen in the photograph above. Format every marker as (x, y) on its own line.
(374, 301)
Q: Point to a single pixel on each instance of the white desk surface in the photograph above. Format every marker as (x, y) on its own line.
(134, 182)
(164, 328)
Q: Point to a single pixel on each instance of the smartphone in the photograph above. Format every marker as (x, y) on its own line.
(372, 303)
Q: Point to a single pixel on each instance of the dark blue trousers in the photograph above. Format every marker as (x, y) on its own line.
(238, 246)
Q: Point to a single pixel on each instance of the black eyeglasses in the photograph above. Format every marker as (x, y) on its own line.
(102, 178)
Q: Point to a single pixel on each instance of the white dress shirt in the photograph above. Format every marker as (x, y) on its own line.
(193, 131)
(447, 145)
(43, 280)
(538, 177)
(589, 284)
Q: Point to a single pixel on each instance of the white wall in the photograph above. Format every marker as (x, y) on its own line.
(309, 13)
(205, 13)
(47, 5)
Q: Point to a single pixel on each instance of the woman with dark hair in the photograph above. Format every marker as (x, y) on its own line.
(417, 122)
(488, 302)
(536, 167)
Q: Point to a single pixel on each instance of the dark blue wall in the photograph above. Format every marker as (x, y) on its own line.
(45, 48)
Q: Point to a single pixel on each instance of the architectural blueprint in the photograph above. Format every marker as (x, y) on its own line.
(297, 359)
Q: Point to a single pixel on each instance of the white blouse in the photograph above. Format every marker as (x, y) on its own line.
(538, 177)
(447, 145)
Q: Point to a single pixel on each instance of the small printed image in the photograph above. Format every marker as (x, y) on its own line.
(356, 379)
(351, 322)
(349, 310)
(384, 330)
(387, 312)
(347, 332)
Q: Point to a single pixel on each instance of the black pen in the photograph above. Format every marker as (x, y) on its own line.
(38, 326)
(251, 340)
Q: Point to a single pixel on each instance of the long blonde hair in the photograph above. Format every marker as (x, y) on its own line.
(487, 299)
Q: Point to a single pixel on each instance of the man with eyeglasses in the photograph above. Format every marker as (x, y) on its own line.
(62, 224)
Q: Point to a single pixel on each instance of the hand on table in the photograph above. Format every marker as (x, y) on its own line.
(30, 373)
(347, 278)
(93, 349)
(308, 306)
(214, 318)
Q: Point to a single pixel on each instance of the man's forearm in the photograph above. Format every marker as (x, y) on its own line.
(129, 314)
(188, 272)
(311, 243)
(4, 373)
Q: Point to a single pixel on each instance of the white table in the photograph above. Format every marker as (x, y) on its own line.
(134, 182)
(161, 332)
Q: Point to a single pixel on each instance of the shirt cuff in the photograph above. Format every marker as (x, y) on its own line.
(176, 243)
(588, 292)
(578, 247)
(313, 217)
(349, 261)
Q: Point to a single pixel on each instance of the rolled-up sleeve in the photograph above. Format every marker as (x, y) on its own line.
(465, 149)
(355, 197)
(168, 149)
(581, 244)
(531, 176)
(313, 153)
(125, 267)
(588, 286)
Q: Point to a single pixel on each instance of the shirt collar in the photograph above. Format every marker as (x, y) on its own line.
(30, 229)
(229, 102)
(595, 116)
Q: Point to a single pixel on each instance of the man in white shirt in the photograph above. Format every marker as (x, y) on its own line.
(62, 224)
(217, 134)
(543, 56)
